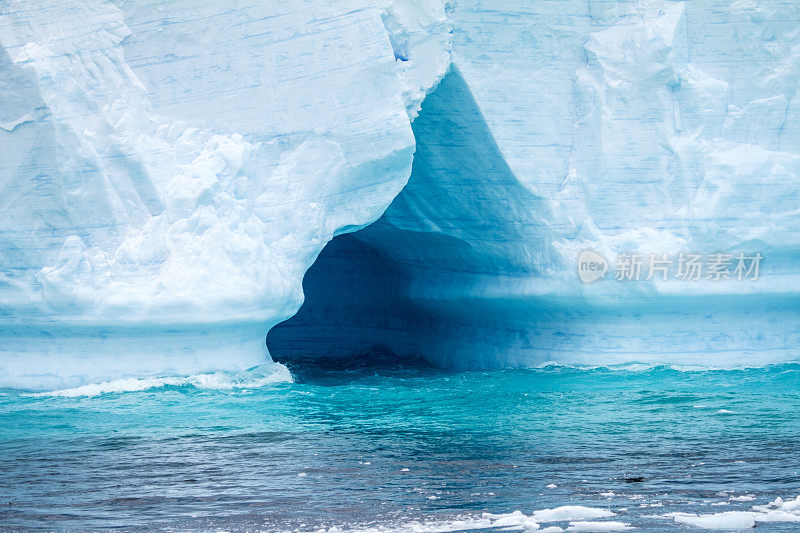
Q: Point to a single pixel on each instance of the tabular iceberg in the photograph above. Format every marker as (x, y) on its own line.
(170, 171)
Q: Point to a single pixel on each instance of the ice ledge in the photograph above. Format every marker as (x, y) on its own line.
(64, 356)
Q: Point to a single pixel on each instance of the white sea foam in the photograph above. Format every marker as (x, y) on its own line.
(253, 378)
(636, 367)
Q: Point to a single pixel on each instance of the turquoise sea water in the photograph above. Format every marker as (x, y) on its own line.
(401, 446)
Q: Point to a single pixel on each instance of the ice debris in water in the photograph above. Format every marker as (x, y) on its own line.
(775, 511)
(578, 518)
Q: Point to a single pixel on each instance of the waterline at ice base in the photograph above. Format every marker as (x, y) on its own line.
(432, 170)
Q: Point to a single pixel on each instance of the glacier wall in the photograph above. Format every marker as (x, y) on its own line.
(618, 127)
(170, 170)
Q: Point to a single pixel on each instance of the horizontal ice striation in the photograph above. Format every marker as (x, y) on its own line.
(169, 170)
(620, 127)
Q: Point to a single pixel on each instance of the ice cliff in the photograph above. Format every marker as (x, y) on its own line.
(170, 171)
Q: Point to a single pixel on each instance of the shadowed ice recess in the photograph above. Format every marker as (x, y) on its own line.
(462, 269)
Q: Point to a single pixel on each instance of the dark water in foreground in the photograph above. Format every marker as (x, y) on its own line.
(385, 446)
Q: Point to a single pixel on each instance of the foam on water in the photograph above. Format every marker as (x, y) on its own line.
(648, 367)
(255, 377)
(269, 373)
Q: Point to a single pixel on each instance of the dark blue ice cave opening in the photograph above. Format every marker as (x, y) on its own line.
(393, 291)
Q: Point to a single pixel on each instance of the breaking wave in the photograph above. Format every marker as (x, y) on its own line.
(256, 377)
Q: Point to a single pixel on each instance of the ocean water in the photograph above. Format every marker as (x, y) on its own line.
(385, 446)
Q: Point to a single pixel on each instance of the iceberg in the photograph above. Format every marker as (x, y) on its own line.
(177, 177)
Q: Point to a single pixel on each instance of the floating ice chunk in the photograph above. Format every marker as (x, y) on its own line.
(598, 526)
(515, 519)
(779, 511)
(775, 511)
(570, 512)
(718, 521)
